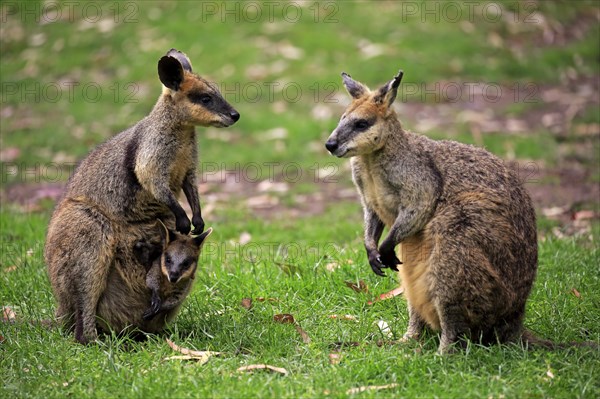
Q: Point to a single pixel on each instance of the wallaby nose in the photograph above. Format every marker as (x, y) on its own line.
(173, 277)
(234, 115)
(331, 145)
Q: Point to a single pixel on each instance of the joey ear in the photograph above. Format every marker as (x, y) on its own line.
(199, 240)
(164, 233)
(182, 58)
(387, 93)
(170, 72)
(355, 89)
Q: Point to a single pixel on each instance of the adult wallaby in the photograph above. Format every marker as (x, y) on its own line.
(119, 190)
(465, 223)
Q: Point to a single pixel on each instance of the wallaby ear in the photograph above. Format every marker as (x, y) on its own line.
(182, 58)
(170, 72)
(387, 93)
(355, 89)
(199, 240)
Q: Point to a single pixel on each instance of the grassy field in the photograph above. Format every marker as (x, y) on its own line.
(287, 223)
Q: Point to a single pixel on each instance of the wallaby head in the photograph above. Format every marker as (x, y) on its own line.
(365, 125)
(179, 258)
(198, 101)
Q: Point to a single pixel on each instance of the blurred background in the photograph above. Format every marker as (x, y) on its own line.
(519, 78)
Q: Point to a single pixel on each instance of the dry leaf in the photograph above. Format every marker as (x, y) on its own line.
(1, 339)
(371, 388)
(303, 334)
(9, 154)
(584, 215)
(284, 318)
(247, 303)
(385, 329)
(549, 373)
(360, 287)
(8, 315)
(10, 269)
(388, 295)
(262, 201)
(331, 266)
(554, 211)
(191, 352)
(576, 293)
(335, 358)
(267, 367)
(245, 238)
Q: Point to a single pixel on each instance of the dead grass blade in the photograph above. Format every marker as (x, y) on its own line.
(190, 352)
(266, 367)
(352, 391)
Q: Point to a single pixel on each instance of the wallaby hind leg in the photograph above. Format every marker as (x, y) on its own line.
(64, 315)
(470, 295)
(416, 324)
(79, 259)
(93, 283)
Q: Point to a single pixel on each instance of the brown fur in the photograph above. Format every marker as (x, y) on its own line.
(115, 196)
(171, 274)
(465, 224)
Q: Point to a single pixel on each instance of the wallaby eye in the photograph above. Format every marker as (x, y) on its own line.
(168, 259)
(361, 124)
(203, 99)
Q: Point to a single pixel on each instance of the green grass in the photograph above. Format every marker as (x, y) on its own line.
(121, 62)
(213, 319)
(287, 258)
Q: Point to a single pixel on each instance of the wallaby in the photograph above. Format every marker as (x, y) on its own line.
(171, 274)
(466, 225)
(119, 190)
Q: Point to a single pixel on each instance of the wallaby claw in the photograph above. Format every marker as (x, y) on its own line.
(154, 308)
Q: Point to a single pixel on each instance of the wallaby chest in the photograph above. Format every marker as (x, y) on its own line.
(169, 290)
(377, 192)
(183, 158)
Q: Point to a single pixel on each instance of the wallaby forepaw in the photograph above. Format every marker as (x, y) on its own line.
(377, 265)
(389, 259)
(183, 225)
(148, 314)
(198, 223)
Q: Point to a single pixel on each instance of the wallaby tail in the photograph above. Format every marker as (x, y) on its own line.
(529, 339)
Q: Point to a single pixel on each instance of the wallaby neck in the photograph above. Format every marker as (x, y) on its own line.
(166, 117)
(395, 144)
